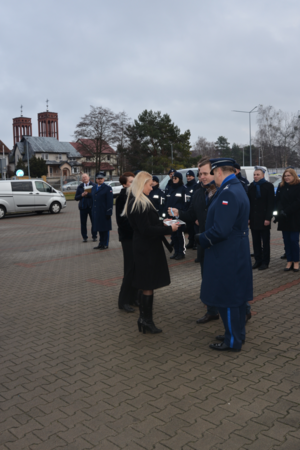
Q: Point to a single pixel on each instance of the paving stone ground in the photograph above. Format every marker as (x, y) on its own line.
(76, 374)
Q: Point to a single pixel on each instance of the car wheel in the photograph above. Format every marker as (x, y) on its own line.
(55, 208)
(2, 212)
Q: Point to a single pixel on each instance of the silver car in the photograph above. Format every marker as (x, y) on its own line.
(19, 196)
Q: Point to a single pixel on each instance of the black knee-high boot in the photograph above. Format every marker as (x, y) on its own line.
(145, 321)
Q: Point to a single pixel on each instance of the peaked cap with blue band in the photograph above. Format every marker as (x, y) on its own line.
(220, 162)
(100, 175)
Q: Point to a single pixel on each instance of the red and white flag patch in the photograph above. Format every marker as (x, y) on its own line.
(224, 202)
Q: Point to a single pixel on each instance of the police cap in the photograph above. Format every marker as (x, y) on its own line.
(155, 178)
(220, 162)
(190, 173)
(100, 175)
(171, 171)
(178, 175)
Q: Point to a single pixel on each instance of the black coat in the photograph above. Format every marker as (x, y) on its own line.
(85, 202)
(262, 208)
(150, 265)
(102, 207)
(197, 209)
(190, 185)
(177, 197)
(124, 229)
(288, 201)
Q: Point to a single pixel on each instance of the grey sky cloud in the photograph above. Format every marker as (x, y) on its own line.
(194, 60)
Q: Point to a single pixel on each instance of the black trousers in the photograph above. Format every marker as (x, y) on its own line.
(261, 246)
(191, 232)
(127, 292)
(84, 214)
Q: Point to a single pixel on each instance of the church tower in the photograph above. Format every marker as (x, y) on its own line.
(21, 127)
(48, 123)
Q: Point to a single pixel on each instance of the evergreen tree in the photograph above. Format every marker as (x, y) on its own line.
(223, 147)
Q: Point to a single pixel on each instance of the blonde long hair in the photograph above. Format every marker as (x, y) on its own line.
(141, 201)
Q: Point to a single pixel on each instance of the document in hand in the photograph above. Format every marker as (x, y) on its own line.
(176, 221)
(88, 189)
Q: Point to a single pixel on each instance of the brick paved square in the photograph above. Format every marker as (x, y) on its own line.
(76, 374)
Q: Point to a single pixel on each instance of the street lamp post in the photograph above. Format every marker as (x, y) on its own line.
(248, 112)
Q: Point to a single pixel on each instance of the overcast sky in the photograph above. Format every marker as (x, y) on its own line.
(196, 60)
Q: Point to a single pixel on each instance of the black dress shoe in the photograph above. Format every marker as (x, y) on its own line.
(283, 256)
(94, 239)
(221, 337)
(207, 318)
(174, 256)
(263, 267)
(103, 247)
(189, 245)
(295, 270)
(99, 247)
(252, 255)
(127, 308)
(84, 240)
(256, 265)
(248, 317)
(197, 260)
(288, 269)
(179, 257)
(223, 347)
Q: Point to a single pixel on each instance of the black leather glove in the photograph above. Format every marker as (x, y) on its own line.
(108, 217)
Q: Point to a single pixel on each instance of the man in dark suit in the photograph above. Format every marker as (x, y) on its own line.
(261, 196)
(85, 206)
(103, 200)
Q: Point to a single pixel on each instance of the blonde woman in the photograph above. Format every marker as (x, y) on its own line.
(150, 265)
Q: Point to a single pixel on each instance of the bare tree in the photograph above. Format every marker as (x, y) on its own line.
(204, 148)
(122, 140)
(99, 128)
(278, 136)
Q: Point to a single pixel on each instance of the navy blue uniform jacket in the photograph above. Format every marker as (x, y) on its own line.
(177, 197)
(86, 201)
(103, 200)
(157, 197)
(227, 275)
(191, 185)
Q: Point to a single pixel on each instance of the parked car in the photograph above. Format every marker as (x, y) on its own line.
(71, 186)
(19, 196)
(116, 187)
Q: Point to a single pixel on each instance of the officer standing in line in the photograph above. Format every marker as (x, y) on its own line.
(177, 196)
(157, 196)
(245, 183)
(85, 206)
(191, 185)
(103, 200)
(170, 182)
(227, 276)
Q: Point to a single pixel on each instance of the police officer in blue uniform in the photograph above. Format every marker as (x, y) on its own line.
(102, 210)
(177, 197)
(244, 182)
(227, 275)
(191, 186)
(170, 182)
(85, 206)
(157, 196)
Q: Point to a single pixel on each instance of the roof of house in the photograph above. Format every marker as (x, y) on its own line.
(45, 145)
(6, 149)
(86, 147)
(103, 166)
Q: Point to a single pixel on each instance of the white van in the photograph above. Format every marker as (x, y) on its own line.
(248, 171)
(19, 196)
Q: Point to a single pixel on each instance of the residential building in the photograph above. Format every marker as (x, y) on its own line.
(86, 148)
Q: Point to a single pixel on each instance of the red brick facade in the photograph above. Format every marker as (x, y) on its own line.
(48, 124)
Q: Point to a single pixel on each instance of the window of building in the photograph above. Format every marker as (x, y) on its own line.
(74, 169)
(21, 186)
(51, 171)
(45, 156)
(108, 157)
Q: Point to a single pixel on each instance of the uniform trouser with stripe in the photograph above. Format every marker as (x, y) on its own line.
(234, 323)
(178, 241)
